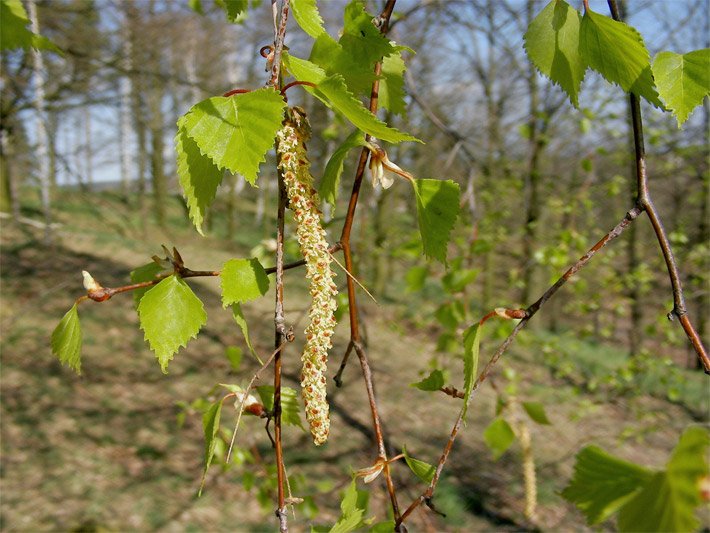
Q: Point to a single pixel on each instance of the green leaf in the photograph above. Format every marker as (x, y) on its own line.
(682, 80)
(498, 436)
(234, 9)
(552, 44)
(66, 340)
(142, 274)
(416, 278)
(383, 527)
(235, 132)
(333, 92)
(668, 502)
(536, 411)
(437, 209)
(602, 483)
(210, 425)
(358, 72)
(471, 344)
(199, 176)
(242, 323)
(290, 407)
(307, 16)
(170, 315)
(330, 183)
(351, 513)
(14, 32)
(196, 6)
(234, 356)
(242, 280)
(421, 469)
(617, 52)
(391, 95)
(433, 382)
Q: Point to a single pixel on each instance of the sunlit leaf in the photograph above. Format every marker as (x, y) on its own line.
(234, 356)
(66, 340)
(170, 315)
(141, 274)
(617, 52)
(242, 323)
(433, 382)
(421, 469)
(391, 93)
(683, 81)
(471, 344)
(437, 209)
(242, 280)
(234, 9)
(352, 510)
(307, 16)
(536, 411)
(235, 132)
(330, 183)
(14, 32)
(498, 436)
(210, 425)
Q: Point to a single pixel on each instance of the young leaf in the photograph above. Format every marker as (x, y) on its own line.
(242, 323)
(351, 509)
(536, 411)
(199, 176)
(170, 315)
(234, 9)
(682, 80)
(382, 527)
(471, 344)
(14, 32)
(421, 469)
(498, 436)
(333, 92)
(668, 502)
(290, 407)
(437, 209)
(242, 280)
(603, 483)
(432, 382)
(210, 425)
(66, 340)
(330, 182)
(617, 52)
(552, 44)
(235, 132)
(234, 356)
(391, 95)
(307, 16)
(141, 274)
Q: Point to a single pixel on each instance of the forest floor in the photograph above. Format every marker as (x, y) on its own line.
(105, 451)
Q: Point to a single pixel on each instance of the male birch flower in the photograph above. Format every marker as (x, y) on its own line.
(304, 202)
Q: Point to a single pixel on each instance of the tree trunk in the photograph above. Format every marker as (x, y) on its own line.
(125, 107)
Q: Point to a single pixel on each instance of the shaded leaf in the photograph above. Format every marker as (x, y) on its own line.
(536, 411)
(210, 426)
(242, 280)
(330, 183)
(234, 9)
(416, 278)
(352, 510)
(290, 407)
(433, 382)
(471, 344)
(242, 323)
(235, 132)
(617, 52)
(421, 469)
(66, 340)
(308, 17)
(602, 483)
(437, 209)
(383, 527)
(391, 93)
(234, 356)
(552, 44)
(498, 436)
(170, 315)
(141, 274)
(682, 80)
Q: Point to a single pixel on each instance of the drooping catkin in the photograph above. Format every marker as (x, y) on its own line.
(304, 202)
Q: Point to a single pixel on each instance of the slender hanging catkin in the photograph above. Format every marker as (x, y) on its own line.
(304, 202)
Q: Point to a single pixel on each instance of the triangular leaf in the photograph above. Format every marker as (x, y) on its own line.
(141, 274)
(199, 176)
(617, 52)
(170, 315)
(242, 323)
(433, 382)
(668, 502)
(66, 340)
(682, 80)
(536, 411)
(242, 280)
(437, 209)
(329, 185)
(352, 510)
(235, 132)
(307, 16)
(552, 44)
(421, 469)
(498, 436)
(471, 345)
(333, 92)
(603, 483)
(290, 406)
(210, 425)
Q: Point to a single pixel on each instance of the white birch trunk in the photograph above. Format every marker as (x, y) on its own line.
(125, 107)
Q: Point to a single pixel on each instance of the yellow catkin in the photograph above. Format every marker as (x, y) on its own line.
(304, 202)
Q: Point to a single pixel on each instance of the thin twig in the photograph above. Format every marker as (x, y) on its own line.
(354, 279)
(529, 312)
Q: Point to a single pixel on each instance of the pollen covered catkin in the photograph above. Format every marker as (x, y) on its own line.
(304, 202)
